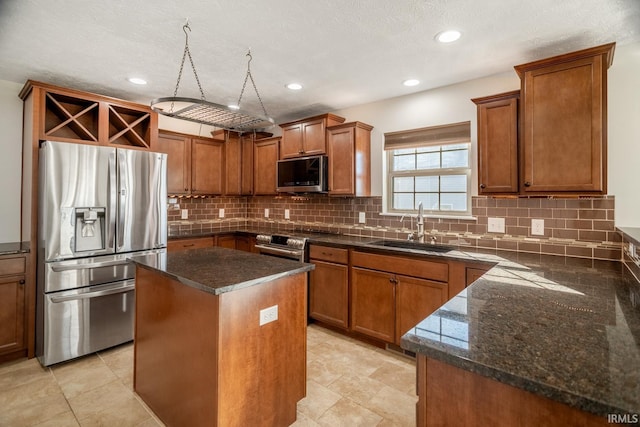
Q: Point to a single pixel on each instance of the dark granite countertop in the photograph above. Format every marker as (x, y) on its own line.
(633, 233)
(14, 248)
(219, 270)
(564, 328)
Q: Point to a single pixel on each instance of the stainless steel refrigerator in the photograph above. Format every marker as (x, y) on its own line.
(97, 207)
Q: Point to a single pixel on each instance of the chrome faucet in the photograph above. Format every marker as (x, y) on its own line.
(420, 223)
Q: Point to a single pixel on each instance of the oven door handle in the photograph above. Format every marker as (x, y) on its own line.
(270, 249)
(101, 293)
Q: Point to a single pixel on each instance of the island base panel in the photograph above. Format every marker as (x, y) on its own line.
(203, 359)
(448, 395)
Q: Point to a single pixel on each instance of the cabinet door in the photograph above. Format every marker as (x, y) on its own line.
(564, 141)
(498, 145)
(373, 303)
(233, 165)
(329, 293)
(245, 243)
(291, 145)
(206, 166)
(12, 304)
(314, 138)
(415, 300)
(228, 241)
(246, 163)
(341, 161)
(178, 150)
(473, 274)
(264, 167)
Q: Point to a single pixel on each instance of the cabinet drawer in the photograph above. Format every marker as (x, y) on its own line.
(12, 266)
(182, 244)
(415, 267)
(326, 253)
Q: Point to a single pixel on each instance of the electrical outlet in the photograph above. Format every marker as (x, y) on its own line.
(266, 213)
(268, 315)
(362, 218)
(537, 227)
(495, 225)
(173, 200)
(221, 213)
(286, 214)
(184, 214)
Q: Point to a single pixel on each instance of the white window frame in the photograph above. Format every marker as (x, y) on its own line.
(432, 136)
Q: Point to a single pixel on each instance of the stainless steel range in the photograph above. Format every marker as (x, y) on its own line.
(282, 246)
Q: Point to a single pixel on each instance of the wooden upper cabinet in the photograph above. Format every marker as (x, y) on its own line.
(306, 137)
(194, 165)
(207, 172)
(178, 150)
(349, 151)
(69, 115)
(265, 155)
(498, 143)
(564, 118)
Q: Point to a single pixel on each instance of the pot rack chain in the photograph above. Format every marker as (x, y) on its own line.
(244, 85)
(185, 54)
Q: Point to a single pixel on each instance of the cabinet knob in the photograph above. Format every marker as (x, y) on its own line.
(527, 184)
(483, 186)
(22, 282)
(301, 152)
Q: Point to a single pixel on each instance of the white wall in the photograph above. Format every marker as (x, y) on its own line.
(10, 160)
(624, 134)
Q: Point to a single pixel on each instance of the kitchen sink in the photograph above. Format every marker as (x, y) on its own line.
(408, 244)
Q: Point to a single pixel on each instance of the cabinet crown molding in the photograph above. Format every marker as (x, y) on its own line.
(606, 50)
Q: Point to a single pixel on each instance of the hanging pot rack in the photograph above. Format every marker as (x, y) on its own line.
(209, 113)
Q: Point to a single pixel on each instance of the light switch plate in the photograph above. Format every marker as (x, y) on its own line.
(184, 214)
(537, 227)
(268, 315)
(286, 214)
(362, 218)
(221, 213)
(495, 225)
(266, 213)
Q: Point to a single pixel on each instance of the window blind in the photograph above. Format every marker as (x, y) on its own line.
(453, 133)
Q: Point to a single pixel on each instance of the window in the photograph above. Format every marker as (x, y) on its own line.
(431, 166)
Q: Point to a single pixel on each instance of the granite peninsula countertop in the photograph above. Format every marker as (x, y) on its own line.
(14, 248)
(219, 270)
(564, 328)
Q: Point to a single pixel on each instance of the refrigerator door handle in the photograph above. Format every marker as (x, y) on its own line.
(88, 295)
(71, 267)
(122, 193)
(112, 199)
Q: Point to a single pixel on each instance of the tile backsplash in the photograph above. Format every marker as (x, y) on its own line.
(579, 227)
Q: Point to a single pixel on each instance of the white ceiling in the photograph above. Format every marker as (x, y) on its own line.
(344, 52)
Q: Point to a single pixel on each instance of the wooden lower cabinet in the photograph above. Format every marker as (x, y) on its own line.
(483, 401)
(246, 243)
(415, 300)
(12, 305)
(329, 293)
(226, 241)
(373, 308)
(189, 243)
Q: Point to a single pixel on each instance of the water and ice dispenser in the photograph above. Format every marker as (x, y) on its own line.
(89, 229)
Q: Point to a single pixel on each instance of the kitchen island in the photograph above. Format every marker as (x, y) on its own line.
(537, 340)
(220, 338)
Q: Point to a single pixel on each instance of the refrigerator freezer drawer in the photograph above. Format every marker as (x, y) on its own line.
(86, 320)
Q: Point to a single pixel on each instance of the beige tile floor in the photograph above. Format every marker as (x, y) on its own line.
(348, 384)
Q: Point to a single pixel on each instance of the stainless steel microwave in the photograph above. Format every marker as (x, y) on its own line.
(302, 175)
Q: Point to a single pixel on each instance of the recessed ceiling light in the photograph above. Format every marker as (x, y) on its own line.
(233, 106)
(411, 82)
(294, 86)
(137, 81)
(448, 36)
